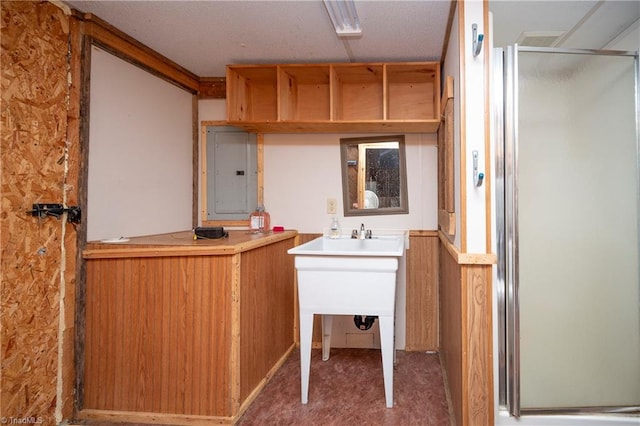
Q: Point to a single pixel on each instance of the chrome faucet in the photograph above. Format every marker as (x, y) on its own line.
(362, 234)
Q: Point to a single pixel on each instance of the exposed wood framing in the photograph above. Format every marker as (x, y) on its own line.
(463, 129)
(488, 176)
(447, 223)
(445, 44)
(234, 356)
(80, 77)
(213, 88)
(195, 156)
(74, 181)
(129, 49)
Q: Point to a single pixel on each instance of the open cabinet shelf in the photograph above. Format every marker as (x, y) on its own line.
(252, 94)
(358, 92)
(337, 97)
(304, 93)
(412, 92)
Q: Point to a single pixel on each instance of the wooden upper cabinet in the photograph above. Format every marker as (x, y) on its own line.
(340, 97)
(252, 94)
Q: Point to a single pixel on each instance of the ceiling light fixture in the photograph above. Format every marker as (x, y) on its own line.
(344, 17)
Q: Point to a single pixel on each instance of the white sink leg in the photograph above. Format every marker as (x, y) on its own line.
(306, 332)
(386, 345)
(387, 348)
(327, 324)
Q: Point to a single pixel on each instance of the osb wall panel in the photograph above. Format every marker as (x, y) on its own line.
(34, 115)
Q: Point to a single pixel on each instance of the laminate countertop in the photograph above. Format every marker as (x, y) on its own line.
(182, 243)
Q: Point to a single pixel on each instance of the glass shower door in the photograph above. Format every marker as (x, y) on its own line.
(571, 209)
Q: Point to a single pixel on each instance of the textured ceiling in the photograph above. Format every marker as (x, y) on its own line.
(205, 36)
(585, 24)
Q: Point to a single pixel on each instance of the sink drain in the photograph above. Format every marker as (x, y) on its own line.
(364, 322)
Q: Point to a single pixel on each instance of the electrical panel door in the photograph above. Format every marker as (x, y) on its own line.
(231, 173)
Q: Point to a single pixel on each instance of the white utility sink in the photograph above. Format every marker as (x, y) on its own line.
(384, 245)
(347, 276)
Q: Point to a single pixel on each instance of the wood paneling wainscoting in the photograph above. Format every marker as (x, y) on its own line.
(422, 291)
(199, 334)
(187, 331)
(266, 313)
(150, 328)
(465, 333)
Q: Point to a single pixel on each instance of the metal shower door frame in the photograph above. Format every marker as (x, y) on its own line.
(505, 116)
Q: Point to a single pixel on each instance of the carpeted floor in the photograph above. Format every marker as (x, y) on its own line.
(348, 390)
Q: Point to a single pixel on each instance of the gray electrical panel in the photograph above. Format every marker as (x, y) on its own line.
(232, 173)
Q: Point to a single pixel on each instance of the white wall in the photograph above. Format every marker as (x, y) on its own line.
(212, 109)
(474, 138)
(140, 152)
(301, 171)
(468, 94)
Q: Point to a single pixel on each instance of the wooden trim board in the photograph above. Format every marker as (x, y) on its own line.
(467, 258)
(130, 49)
